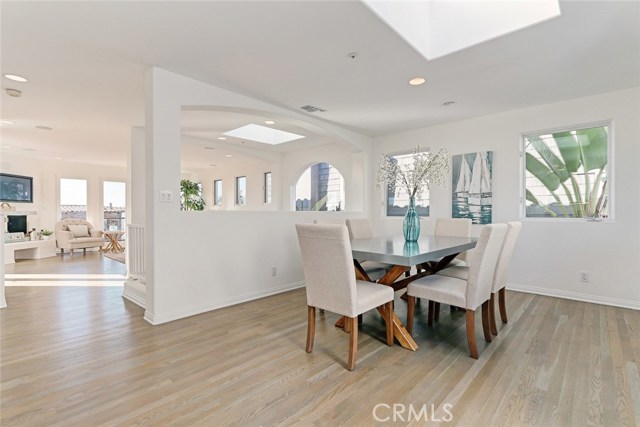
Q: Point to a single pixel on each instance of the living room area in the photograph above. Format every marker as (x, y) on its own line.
(39, 247)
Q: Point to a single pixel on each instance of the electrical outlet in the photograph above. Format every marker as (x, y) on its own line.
(584, 276)
(274, 271)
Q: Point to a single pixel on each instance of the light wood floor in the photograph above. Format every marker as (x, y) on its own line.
(92, 262)
(83, 356)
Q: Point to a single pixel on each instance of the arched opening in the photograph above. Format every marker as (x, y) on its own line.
(320, 188)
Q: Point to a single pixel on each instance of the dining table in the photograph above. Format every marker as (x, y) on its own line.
(428, 255)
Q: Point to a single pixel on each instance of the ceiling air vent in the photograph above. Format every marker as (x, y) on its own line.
(312, 109)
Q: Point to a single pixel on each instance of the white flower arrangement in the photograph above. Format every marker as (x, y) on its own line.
(427, 169)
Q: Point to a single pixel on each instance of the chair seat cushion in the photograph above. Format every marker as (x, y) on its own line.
(458, 271)
(443, 289)
(370, 296)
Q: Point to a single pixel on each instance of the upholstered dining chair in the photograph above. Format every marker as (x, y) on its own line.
(471, 293)
(360, 228)
(500, 277)
(458, 227)
(331, 283)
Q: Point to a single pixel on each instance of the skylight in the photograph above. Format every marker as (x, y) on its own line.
(436, 28)
(263, 134)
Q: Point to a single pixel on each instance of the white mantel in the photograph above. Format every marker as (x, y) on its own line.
(8, 212)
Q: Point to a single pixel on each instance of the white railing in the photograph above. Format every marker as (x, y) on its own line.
(135, 251)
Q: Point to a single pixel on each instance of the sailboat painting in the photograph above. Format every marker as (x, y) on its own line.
(472, 194)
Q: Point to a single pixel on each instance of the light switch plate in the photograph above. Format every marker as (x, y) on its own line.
(166, 196)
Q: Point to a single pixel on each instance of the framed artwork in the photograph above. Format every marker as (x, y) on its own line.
(472, 194)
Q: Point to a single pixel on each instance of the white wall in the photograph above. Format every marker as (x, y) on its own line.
(550, 254)
(198, 261)
(46, 182)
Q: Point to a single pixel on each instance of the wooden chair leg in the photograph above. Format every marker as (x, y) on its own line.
(485, 321)
(492, 314)
(311, 327)
(430, 315)
(436, 314)
(411, 307)
(471, 333)
(503, 305)
(353, 342)
(347, 324)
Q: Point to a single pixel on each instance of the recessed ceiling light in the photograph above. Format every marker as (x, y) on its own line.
(448, 103)
(228, 155)
(58, 158)
(6, 146)
(209, 148)
(222, 138)
(417, 81)
(269, 122)
(44, 128)
(213, 165)
(7, 122)
(15, 78)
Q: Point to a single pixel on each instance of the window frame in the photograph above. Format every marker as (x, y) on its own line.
(237, 195)
(266, 189)
(86, 181)
(609, 123)
(343, 188)
(215, 192)
(385, 193)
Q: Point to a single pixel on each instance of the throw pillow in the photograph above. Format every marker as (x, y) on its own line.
(79, 230)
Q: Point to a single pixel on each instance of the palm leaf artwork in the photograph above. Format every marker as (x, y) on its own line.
(572, 168)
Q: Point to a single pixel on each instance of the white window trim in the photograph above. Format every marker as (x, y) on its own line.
(237, 194)
(384, 194)
(610, 172)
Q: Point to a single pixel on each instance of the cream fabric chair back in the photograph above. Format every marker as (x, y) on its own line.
(482, 264)
(359, 228)
(500, 279)
(327, 262)
(458, 227)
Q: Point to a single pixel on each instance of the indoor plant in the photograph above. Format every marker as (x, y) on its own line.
(46, 234)
(191, 196)
(425, 170)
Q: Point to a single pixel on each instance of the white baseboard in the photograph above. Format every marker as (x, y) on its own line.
(135, 292)
(595, 299)
(157, 320)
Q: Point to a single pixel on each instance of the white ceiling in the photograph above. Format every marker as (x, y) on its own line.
(85, 62)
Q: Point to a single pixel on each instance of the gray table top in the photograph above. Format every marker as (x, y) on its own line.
(394, 249)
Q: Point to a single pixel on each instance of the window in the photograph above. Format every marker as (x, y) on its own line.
(241, 190)
(217, 192)
(114, 196)
(566, 173)
(73, 198)
(397, 196)
(320, 188)
(267, 187)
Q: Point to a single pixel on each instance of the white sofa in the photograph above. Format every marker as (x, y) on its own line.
(74, 233)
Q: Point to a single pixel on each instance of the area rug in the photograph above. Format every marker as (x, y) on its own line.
(115, 256)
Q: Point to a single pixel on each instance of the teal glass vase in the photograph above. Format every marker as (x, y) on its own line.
(411, 224)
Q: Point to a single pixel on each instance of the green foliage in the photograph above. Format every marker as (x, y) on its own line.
(46, 232)
(581, 152)
(191, 196)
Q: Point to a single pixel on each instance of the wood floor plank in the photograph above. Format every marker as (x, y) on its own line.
(83, 356)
